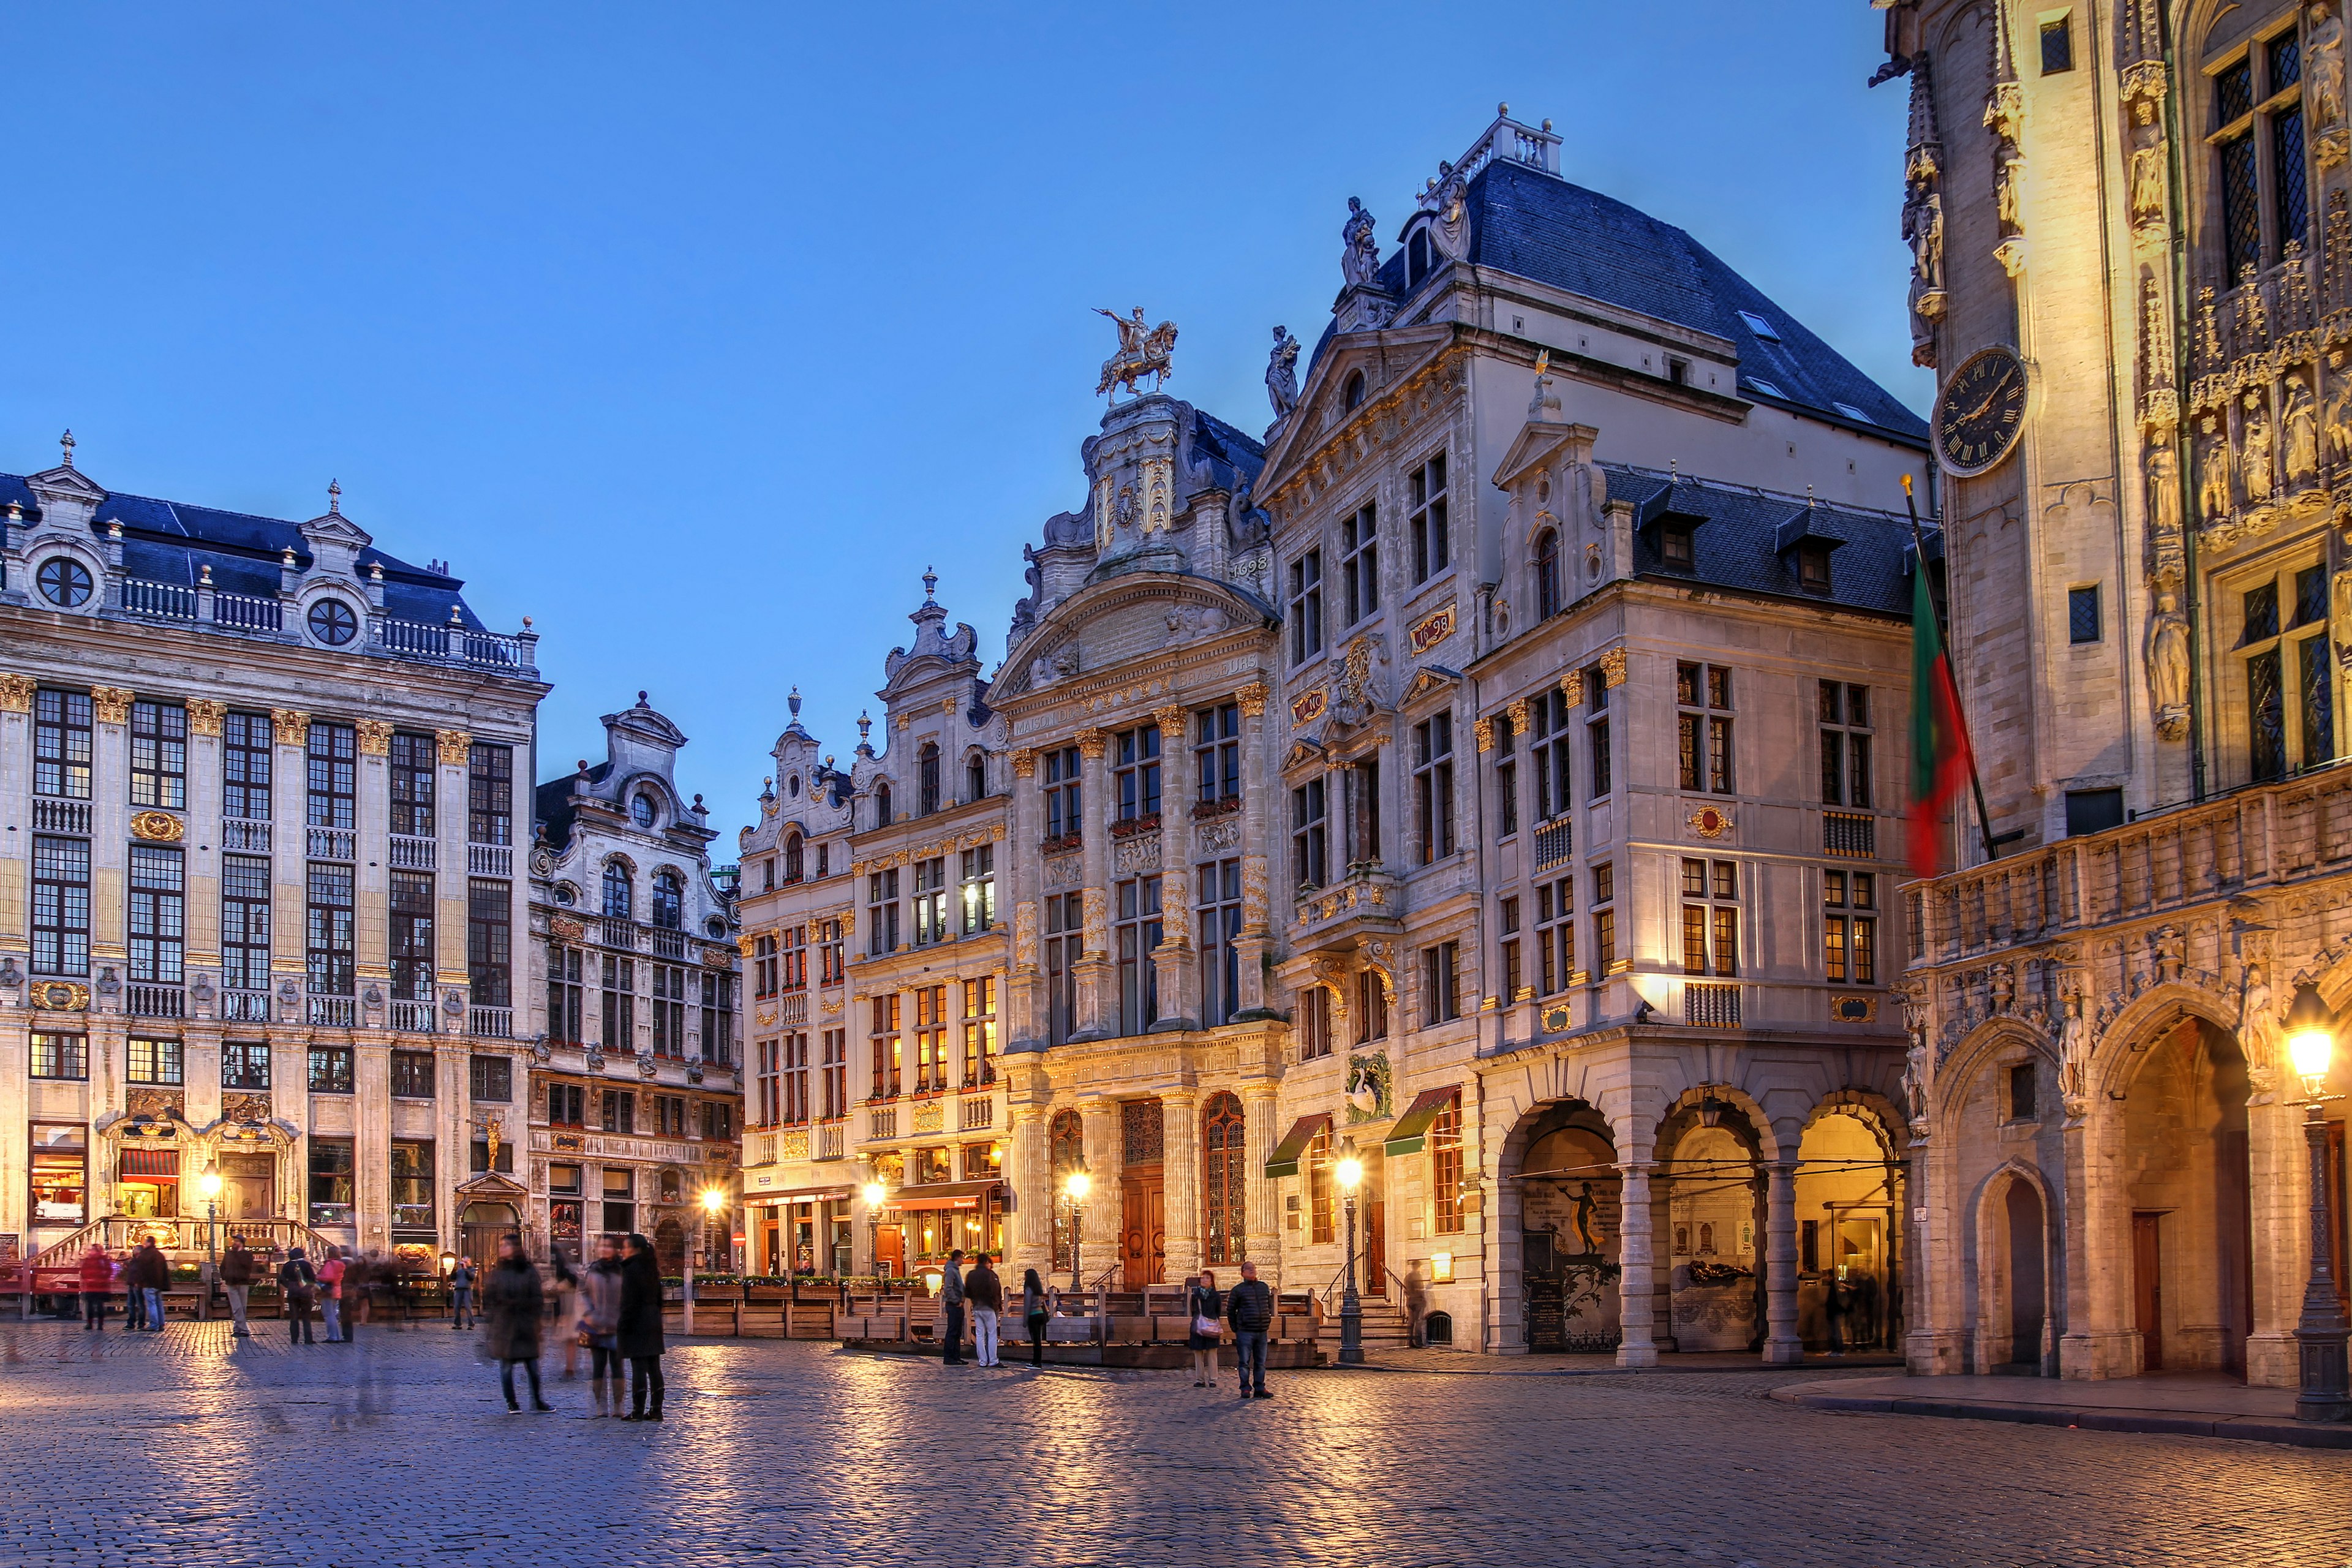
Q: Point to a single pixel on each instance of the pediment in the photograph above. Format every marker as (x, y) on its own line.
(1388, 359)
(1538, 441)
(1304, 752)
(67, 482)
(1431, 679)
(335, 528)
(1122, 623)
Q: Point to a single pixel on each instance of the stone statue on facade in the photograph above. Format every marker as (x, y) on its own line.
(1143, 350)
(1281, 372)
(2073, 1051)
(2338, 420)
(2323, 71)
(2165, 555)
(2255, 450)
(1923, 225)
(1360, 262)
(2148, 167)
(1450, 199)
(2168, 665)
(2257, 1012)
(2212, 472)
(2302, 447)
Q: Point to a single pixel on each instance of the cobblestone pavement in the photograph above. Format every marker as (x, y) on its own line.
(191, 1449)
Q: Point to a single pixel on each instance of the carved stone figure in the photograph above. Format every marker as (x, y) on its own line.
(1922, 223)
(2073, 1053)
(2339, 615)
(2168, 953)
(2163, 464)
(1281, 372)
(2338, 416)
(2007, 174)
(1360, 262)
(2255, 450)
(2148, 168)
(1143, 350)
(1915, 1073)
(1452, 227)
(2167, 667)
(2000, 985)
(2302, 446)
(2257, 1012)
(2212, 472)
(2322, 70)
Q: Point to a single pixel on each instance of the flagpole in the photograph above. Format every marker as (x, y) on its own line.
(1976, 783)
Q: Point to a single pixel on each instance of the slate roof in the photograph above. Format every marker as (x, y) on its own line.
(1738, 533)
(1539, 226)
(173, 542)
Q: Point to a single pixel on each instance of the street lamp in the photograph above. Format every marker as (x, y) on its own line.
(1075, 1186)
(1352, 1307)
(876, 1194)
(2324, 1391)
(713, 1201)
(209, 1184)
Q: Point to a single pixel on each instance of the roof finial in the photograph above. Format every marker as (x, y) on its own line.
(794, 702)
(641, 700)
(334, 498)
(455, 618)
(931, 585)
(864, 725)
(1809, 497)
(1503, 110)
(66, 441)
(1675, 469)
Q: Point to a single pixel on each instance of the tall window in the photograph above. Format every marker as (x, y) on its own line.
(1596, 730)
(831, 954)
(412, 1075)
(1371, 1008)
(1445, 1168)
(1307, 606)
(1605, 917)
(245, 1064)
(1067, 1150)
(882, 911)
(60, 906)
(1134, 774)
(1225, 1180)
(619, 1005)
(931, 900)
(1138, 932)
(932, 1068)
(788, 966)
(975, 778)
(618, 1112)
(332, 759)
(332, 1163)
(331, 1069)
(1507, 925)
(718, 1016)
(1359, 562)
(2276, 655)
(2258, 142)
(1555, 935)
(834, 1075)
(331, 944)
(668, 911)
(978, 888)
(155, 1061)
(1309, 835)
(491, 1079)
(1846, 744)
(1432, 785)
(1432, 546)
(245, 923)
(882, 803)
(1549, 599)
(669, 1009)
(1710, 917)
(60, 1055)
(489, 943)
(1359, 810)
(620, 895)
(927, 775)
(61, 744)
(411, 1185)
(795, 1107)
(883, 1037)
(1322, 1189)
(1549, 749)
(410, 760)
(566, 1017)
(1702, 692)
(793, 860)
(1061, 786)
(1850, 927)
(768, 1103)
(158, 754)
(1507, 776)
(978, 1032)
(411, 937)
(1217, 755)
(1219, 927)
(490, 793)
(159, 916)
(763, 967)
(244, 766)
(1314, 1023)
(1064, 945)
(1439, 983)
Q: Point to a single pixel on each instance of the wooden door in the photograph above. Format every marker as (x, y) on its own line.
(2147, 1290)
(890, 1251)
(1143, 1228)
(1376, 1251)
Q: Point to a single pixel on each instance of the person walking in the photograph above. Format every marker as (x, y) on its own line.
(1249, 1310)
(461, 1295)
(513, 1302)
(330, 1273)
(1203, 1305)
(1037, 1303)
(639, 1336)
(600, 1323)
(351, 1297)
(951, 1297)
(150, 1274)
(567, 1311)
(985, 1293)
(236, 1278)
(298, 1286)
(97, 1279)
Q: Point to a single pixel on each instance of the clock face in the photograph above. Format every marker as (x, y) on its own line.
(1980, 412)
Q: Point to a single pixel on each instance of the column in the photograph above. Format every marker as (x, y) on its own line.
(1261, 822)
(372, 875)
(1030, 1172)
(15, 954)
(109, 851)
(1179, 1113)
(202, 842)
(1261, 1131)
(289, 807)
(450, 883)
(2278, 1163)
(1636, 1297)
(1100, 1238)
(1782, 1347)
(1024, 1012)
(1098, 978)
(1178, 977)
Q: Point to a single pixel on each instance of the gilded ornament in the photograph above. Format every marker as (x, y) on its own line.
(1091, 743)
(292, 726)
(563, 927)
(1307, 706)
(157, 827)
(1853, 1009)
(1173, 720)
(1025, 762)
(1709, 822)
(1518, 712)
(17, 693)
(375, 737)
(1143, 350)
(1252, 698)
(1434, 629)
(1571, 688)
(455, 745)
(1612, 668)
(1483, 728)
(59, 995)
(110, 704)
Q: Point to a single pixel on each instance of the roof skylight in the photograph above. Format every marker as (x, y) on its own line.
(1761, 327)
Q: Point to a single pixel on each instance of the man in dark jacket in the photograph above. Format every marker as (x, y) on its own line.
(298, 1288)
(148, 1274)
(236, 1278)
(951, 1297)
(1250, 1308)
(986, 1293)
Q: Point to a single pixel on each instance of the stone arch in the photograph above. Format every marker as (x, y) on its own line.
(1764, 1143)
(1552, 1292)
(2117, 1060)
(1849, 1196)
(1959, 1068)
(2016, 1274)
(1707, 1205)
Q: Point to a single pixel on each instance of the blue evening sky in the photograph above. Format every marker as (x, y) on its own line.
(697, 332)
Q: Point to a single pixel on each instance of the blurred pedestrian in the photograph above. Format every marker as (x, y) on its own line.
(97, 1279)
(1249, 1310)
(600, 1323)
(461, 1294)
(298, 1286)
(134, 1300)
(150, 1273)
(513, 1301)
(236, 1278)
(985, 1293)
(330, 1273)
(951, 1297)
(1037, 1303)
(1204, 1307)
(639, 1336)
(567, 1311)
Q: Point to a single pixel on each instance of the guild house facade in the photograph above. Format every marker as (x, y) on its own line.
(1486, 773)
(259, 898)
(2133, 275)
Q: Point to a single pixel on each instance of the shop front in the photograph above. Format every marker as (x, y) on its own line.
(933, 1221)
(802, 1233)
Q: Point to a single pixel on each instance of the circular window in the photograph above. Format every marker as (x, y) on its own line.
(793, 783)
(332, 623)
(566, 894)
(64, 581)
(716, 927)
(641, 811)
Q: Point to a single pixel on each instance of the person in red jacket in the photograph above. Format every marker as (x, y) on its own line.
(97, 1279)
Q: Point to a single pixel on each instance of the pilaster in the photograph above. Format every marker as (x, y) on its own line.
(1180, 1112)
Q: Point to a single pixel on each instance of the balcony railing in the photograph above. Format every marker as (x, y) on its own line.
(1711, 1006)
(667, 943)
(413, 1017)
(490, 1023)
(882, 1122)
(618, 934)
(163, 601)
(146, 1001)
(832, 1142)
(244, 835)
(456, 644)
(244, 613)
(245, 1007)
(1363, 893)
(332, 1012)
(489, 860)
(410, 853)
(979, 1111)
(791, 1008)
(1850, 834)
(329, 844)
(1555, 842)
(60, 816)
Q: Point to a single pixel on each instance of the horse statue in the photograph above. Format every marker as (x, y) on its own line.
(1143, 350)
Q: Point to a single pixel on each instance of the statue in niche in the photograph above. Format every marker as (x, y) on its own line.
(1360, 262)
(1923, 223)
(2255, 450)
(2164, 500)
(2302, 447)
(2148, 170)
(2322, 70)
(2212, 472)
(2257, 1012)
(2008, 171)
(1281, 372)
(2074, 1052)
(2168, 665)
(2338, 419)
(2339, 616)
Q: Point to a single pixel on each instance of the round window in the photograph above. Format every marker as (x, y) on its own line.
(332, 623)
(64, 581)
(566, 894)
(716, 927)
(641, 811)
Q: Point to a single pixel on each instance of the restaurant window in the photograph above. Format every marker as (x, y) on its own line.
(60, 1055)
(1432, 785)
(1702, 694)
(410, 762)
(490, 793)
(1217, 755)
(61, 744)
(566, 996)
(1314, 1023)
(718, 1015)
(331, 1069)
(1136, 932)
(61, 1173)
(617, 1111)
(1063, 787)
(620, 1214)
(977, 884)
(1064, 945)
(331, 1165)
(412, 1075)
(1555, 935)
(158, 914)
(411, 1185)
(491, 1079)
(882, 1036)
(981, 1162)
(60, 906)
(155, 1061)
(932, 1067)
(1710, 895)
(1359, 562)
(332, 762)
(978, 1032)
(1445, 1168)
(620, 1000)
(1850, 927)
(931, 900)
(159, 755)
(1218, 925)
(1307, 606)
(1310, 835)
(1322, 1189)
(1432, 546)
(881, 912)
(246, 741)
(667, 1006)
(1135, 774)
(245, 1064)
(412, 936)
(330, 940)
(1440, 978)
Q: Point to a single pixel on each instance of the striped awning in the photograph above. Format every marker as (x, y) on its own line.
(1411, 1133)
(1283, 1161)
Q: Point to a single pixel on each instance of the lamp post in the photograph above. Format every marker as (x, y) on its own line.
(1352, 1307)
(209, 1184)
(1075, 1186)
(2324, 1391)
(875, 1196)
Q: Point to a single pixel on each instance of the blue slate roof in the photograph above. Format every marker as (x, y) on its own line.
(1738, 537)
(173, 542)
(1539, 226)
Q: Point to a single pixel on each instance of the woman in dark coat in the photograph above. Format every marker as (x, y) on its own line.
(513, 1301)
(640, 1332)
(1204, 1307)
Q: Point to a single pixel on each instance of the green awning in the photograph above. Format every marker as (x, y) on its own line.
(1411, 1133)
(1283, 1161)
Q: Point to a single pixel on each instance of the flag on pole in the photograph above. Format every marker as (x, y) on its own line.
(1940, 763)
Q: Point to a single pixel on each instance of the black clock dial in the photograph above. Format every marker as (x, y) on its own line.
(1980, 411)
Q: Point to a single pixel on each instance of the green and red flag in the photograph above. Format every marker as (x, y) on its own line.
(1940, 763)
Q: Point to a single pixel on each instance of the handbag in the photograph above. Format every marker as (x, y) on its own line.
(1207, 1326)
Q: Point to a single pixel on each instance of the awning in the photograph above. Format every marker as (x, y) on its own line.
(1411, 1133)
(797, 1196)
(1283, 1161)
(942, 1195)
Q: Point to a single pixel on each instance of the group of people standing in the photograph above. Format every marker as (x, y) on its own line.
(1249, 1307)
(142, 1274)
(613, 1309)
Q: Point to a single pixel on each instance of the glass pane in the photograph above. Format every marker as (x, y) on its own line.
(2318, 702)
(2242, 225)
(2294, 214)
(2266, 734)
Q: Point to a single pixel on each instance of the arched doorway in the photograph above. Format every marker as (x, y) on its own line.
(2028, 1276)
(1570, 1222)
(1849, 1202)
(2184, 1214)
(1712, 1234)
(481, 1224)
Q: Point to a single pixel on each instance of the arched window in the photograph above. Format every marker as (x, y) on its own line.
(1066, 1142)
(1548, 586)
(882, 805)
(1222, 1181)
(670, 901)
(642, 810)
(975, 778)
(619, 901)
(1352, 396)
(792, 858)
(926, 793)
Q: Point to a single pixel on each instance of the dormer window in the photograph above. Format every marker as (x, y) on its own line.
(1677, 371)
(1417, 259)
(66, 582)
(1813, 566)
(332, 623)
(1676, 548)
(641, 810)
(1352, 395)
